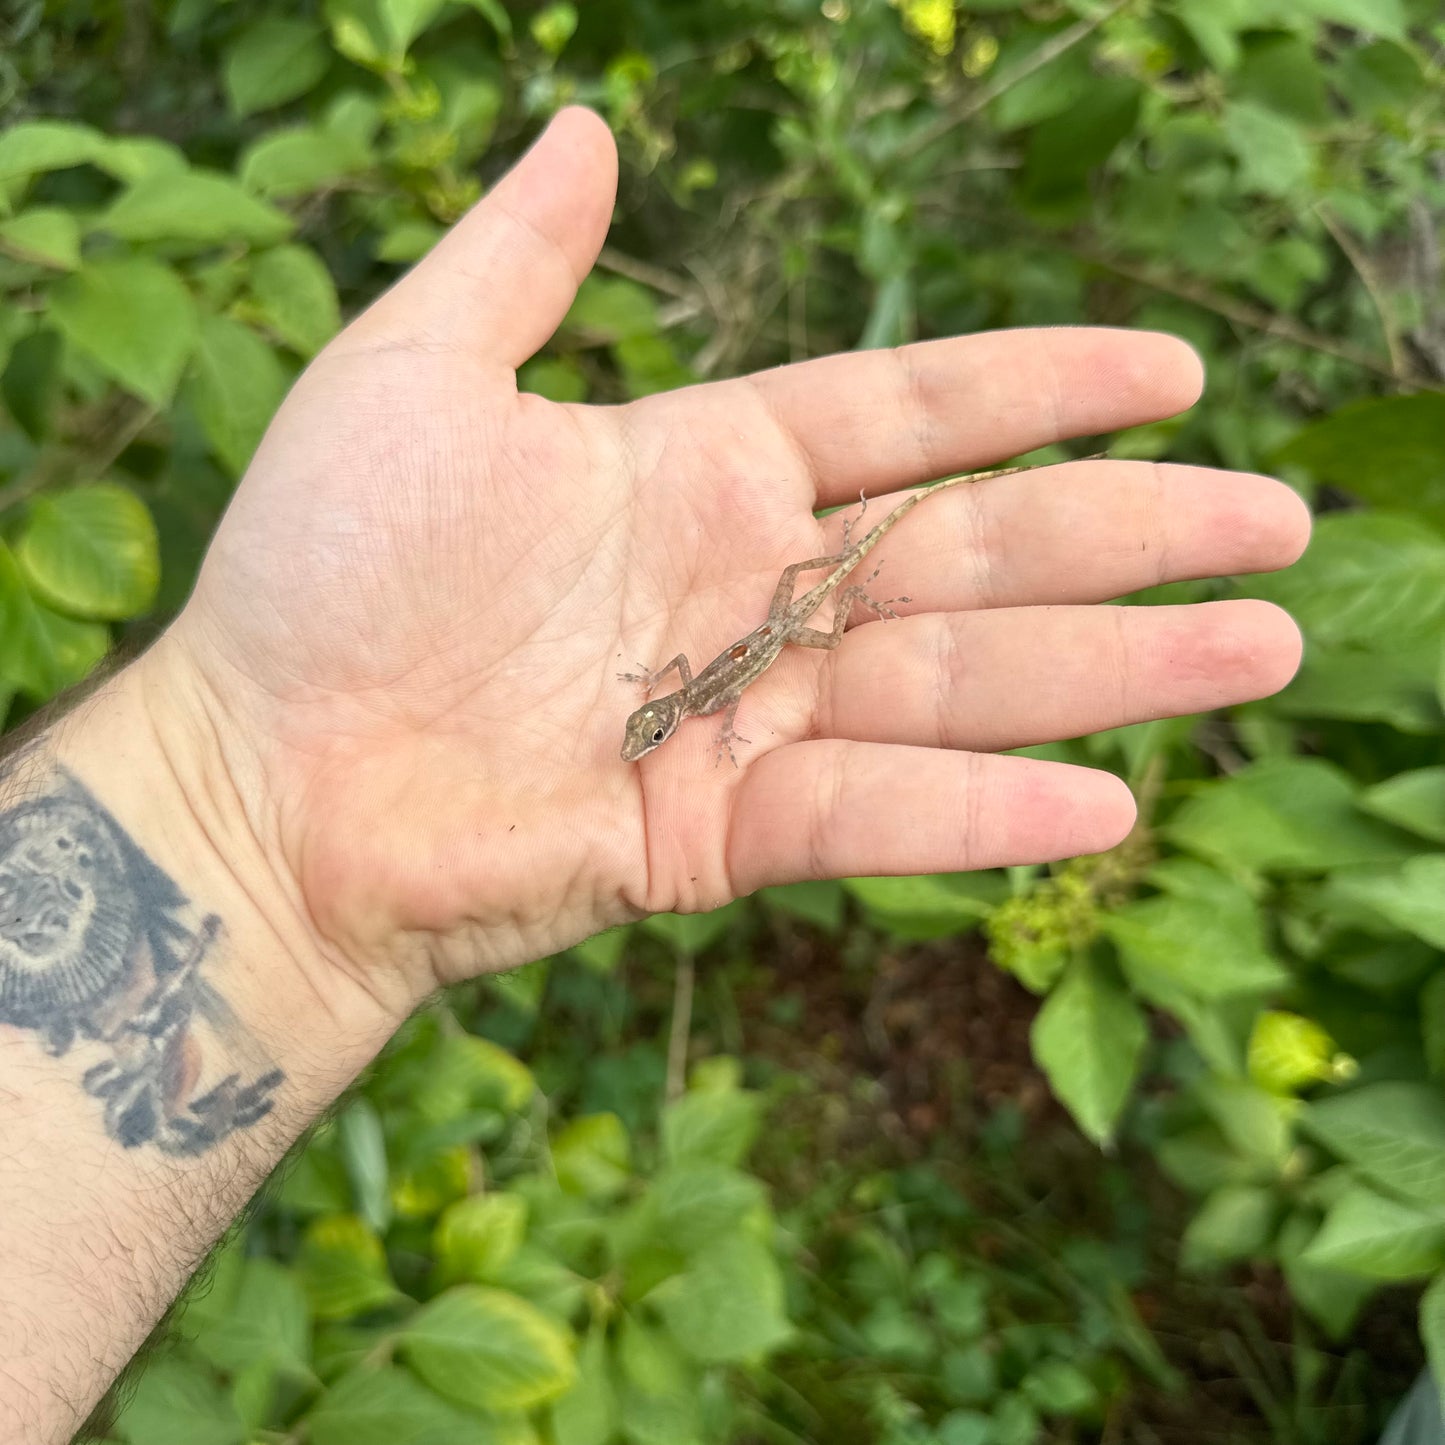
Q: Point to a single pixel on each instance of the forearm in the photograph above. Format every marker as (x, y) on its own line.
(168, 1026)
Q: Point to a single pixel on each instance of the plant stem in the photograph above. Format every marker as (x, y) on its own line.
(678, 1035)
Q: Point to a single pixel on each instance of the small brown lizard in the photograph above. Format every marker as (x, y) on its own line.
(720, 684)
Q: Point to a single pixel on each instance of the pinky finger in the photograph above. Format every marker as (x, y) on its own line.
(836, 809)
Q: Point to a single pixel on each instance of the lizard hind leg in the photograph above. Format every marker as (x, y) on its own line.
(850, 522)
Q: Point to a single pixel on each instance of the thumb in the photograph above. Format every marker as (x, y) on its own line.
(501, 280)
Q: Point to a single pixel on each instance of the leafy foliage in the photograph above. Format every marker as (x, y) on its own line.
(192, 194)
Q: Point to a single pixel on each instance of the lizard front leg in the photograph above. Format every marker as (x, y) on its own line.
(649, 680)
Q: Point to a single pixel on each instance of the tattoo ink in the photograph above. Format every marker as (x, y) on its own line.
(96, 954)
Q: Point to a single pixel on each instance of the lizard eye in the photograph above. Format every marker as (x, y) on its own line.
(659, 735)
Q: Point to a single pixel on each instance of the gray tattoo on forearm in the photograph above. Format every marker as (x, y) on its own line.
(96, 955)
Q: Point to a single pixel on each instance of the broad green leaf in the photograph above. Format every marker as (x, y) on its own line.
(592, 1156)
(1064, 150)
(495, 14)
(273, 61)
(1288, 1052)
(343, 1268)
(47, 145)
(603, 951)
(264, 1319)
(1432, 1023)
(1274, 154)
(134, 158)
(297, 297)
(1282, 73)
(659, 1404)
(553, 26)
(1207, 951)
(1367, 578)
(610, 309)
(382, 1405)
(202, 206)
(691, 1205)
(1393, 1133)
(237, 384)
(406, 19)
(822, 903)
(1284, 815)
(46, 236)
(728, 1303)
(478, 1236)
(587, 1413)
(1374, 17)
(712, 1126)
(31, 383)
(691, 933)
(1088, 1038)
(930, 905)
(1410, 897)
(1333, 1298)
(1389, 452)
(464, 1073)
(489, 1350)
(176, 1403)
(134, 318)
(1391, 683)
(304, 158)
(41, 652)
(1257, 1124)
(1371, 1235)
(92, 552)
(1432, 1330)
(409, 241)
(1235, 1222)
(362, 1146)
(1413, 800)
(1058, 1387)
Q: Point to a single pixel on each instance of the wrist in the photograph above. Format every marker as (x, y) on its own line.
(149, 748)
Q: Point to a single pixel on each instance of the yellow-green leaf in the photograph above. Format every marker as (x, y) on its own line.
(46, 236)
(92, 552)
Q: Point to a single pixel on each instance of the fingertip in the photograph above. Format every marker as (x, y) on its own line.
(1172, 368)
(1110, 811)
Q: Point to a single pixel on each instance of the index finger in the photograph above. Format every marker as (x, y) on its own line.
(880, 420)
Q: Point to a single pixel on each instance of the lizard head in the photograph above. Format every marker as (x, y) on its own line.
(651, 726)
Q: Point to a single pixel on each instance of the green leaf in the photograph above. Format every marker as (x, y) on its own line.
(1288, 1052)
(1368, 1234)
(692, 1205)
(176, 1403)
(132, 158)
(203, 206)
(134, 318)
(1284, 815)
(1234, 1223)
(31, 381)
(273, 61)
(1367, 578)
(660, 1401)
(713, 1126)
(478, 1236)
(362, 1146)
(302, 159)
(47, 145)
(343, 1268)
(297, 297)
(1389, 451)
(1411, 897)
(1274, 155)
(489, 1350)
(1391, 684)
(42, 652)
(822, 903)
(1393, 1133)
(92, 552)
(609, 309)
(495, 15)
(728, 1304)
(592, 1156)
(1282, 73)
(1413, 800)
(236, 387)
(1209, 951)
(1333, 1298)
(690, 933)
(587, 1413)
(1432, 1330)
(1432, 1023)
(45, 236)
(1089, 1038)
(465, 1073)
(1374, 17)
(382, 1405)
(930, 905)
(263, 1319)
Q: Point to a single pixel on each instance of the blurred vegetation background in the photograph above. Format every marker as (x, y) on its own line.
(1147, 1147)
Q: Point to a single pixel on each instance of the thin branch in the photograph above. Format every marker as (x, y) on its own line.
(1371, 282)
(1244, 313)
(646, 274)
(985, 96)
(681, 1030)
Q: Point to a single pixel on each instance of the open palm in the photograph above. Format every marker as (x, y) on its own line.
(409, 627)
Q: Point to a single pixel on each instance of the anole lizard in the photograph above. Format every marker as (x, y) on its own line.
(720, 684)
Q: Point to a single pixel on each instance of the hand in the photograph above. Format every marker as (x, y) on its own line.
(407, 633)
